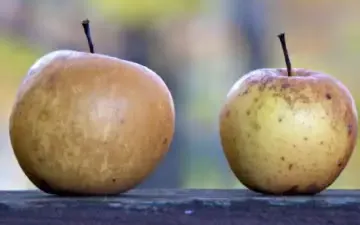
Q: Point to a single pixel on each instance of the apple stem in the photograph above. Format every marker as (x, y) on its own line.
(85, 24)
(286, 54)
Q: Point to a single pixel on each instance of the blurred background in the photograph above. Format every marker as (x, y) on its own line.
(199, 47)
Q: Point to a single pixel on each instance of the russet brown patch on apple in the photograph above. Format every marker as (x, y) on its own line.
(165, 141)
(40, 159)
(234, 140)
(313, 188)
(292, 91)
(290, 166)
(285, 85)
(44, 115)
(245, 92)
(340, 163)
(255, 125)
(328, 96)
(261, 82)
(350, 129)
(227, 113)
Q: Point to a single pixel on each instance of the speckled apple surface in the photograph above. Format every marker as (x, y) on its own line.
(88, 123)
(288, 135)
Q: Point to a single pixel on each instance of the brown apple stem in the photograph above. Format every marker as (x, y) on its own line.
(85, 24)
(286, 54)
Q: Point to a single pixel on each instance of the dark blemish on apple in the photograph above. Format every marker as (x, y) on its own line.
(234, 140)
(305, 138)
(265, 83)
(227, 114)
(256, 126)
(248, 112)
(282, 158)
(312, 188)
(36, 149)
(165, 141)
(285, 85)
(245, 92)
(288, 101)
(44, 115)
(280, 120)
(248, 135)
(349, 129)
(294, 146)
(113, 180)
(122, 121)
(256, 99)
(328, 96)
(272, 87)
(290, 166)
(291, 190)
(41, 159)
(321, 143)
(340, 163)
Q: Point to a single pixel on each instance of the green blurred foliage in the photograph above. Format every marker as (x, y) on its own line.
(140, 12)
(16, 58)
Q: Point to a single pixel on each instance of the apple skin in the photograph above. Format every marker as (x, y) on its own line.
(288, 135)
(90, 124)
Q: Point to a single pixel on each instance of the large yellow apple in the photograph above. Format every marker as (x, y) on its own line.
(90, 124)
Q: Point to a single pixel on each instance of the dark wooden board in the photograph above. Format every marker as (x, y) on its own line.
(170, 207)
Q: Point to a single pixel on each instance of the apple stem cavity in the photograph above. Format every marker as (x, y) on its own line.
(86, 26)
(286, 54)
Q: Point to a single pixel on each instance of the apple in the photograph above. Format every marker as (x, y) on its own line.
(288, 131)
(90, 124)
